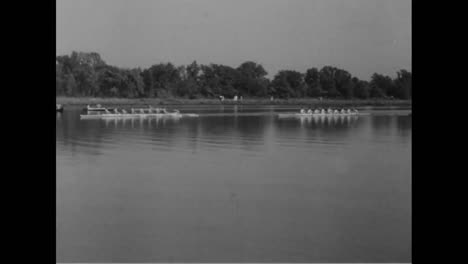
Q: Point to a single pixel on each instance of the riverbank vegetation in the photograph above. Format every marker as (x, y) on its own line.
(86, 75)
(125, 102)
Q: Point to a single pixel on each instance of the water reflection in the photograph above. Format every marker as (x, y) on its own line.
(234, 188)
(249, 133)
(149, 122)
(382, 123)
(403, 125)
(334, 121)
(391, 126)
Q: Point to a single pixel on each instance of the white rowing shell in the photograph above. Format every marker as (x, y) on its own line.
(176, 115)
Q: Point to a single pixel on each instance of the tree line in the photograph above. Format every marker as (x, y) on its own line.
(86, 74)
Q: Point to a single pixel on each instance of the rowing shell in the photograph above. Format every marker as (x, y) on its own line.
(313, 115)
(102, 109)
(103, 116)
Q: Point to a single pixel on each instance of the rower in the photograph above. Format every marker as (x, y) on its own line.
(348, 111)
(123, 111)
(133, 111)
(107, 111)
(309, 111)
(336, 112)
(302, 111)
(330, 111)
(322, 111)
(316, 111)
(343, 111)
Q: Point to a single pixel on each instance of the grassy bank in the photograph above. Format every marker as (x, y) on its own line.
(83, 101)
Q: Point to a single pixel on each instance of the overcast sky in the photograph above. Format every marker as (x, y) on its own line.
(360, 36)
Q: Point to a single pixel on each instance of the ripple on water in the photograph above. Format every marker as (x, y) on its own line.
(253, 178)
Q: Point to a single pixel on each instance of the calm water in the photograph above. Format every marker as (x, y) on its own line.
(237, 184)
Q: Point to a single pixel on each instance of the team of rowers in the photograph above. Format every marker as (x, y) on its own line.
(149, 110)
(329, 111)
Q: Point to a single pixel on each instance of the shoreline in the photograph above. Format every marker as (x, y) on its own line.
(83, 101)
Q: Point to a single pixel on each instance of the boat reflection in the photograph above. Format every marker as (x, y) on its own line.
(328, 120)
(150, 122)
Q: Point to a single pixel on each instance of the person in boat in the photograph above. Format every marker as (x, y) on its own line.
(322, 111)
(336, 112)
(355, 110)
(302, 111)
(348, 111)
(124, 112)
(316, 111)
(165, 111)
(98, 106)
(330, 111)
(107, 111)
(309, 111)
(343, 111)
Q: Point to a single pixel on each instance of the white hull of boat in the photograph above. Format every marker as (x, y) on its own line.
(97, 109)
(104, 116)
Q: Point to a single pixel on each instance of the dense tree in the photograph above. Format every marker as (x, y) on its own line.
(381, 85)
(70, 85)
(288, 84)
(193, 71)
(312, 79)
(86, 79)
(86, 74)
(59, 79)
(252, 79)
(110, 80)
(164, 79)
(328, 81)
(361, 88)
(403, 85)
(344, 83)
(218, 80)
